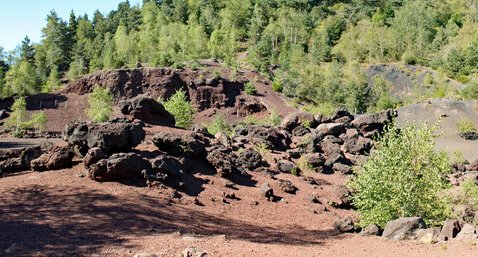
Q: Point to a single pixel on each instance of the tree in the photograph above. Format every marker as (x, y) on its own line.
(55, 42)
(27, 51)
(402, 177)
(18, 116)
(21, 80)
(180, 108)
(100, 104)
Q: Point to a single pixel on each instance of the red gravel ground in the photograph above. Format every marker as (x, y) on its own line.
(63, 213)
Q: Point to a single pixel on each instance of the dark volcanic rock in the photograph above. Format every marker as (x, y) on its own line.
(93, 156)
(119, 167)
(222, 161)
(118, 135)
(403, 228)
(57, 158)
(17, 161)
(249, 159)
(297, 119)
(287, 186)
(147, 110)
(370, 124)
(179, 145)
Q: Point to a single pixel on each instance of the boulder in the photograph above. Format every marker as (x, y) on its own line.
(179, 145)
(249, 160)
(267, 191)
(450, 229)
(403, 228)
(286, 166)
(294, 120)
(287, 186)
(168, 166)
(222, 160)
(278, 139)
(93, 156)
(344, 225)
(57, 158)
(334, 129)
(119, 135)
(468, 232)
(315, 159)
(342, 168)
(4, 114)
(357, 145)
(148, 110)
(428, 236)
(370, 124)
(119, 167)
(19, 160)
(371, 230)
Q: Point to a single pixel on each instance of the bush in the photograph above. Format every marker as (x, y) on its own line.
(100, 104)
(274, 119)
(465, 126)
(277, 86)
(18, 117)
(402, 178)
(250, 88)
(470, 92)
(180, 108)
(219, 124)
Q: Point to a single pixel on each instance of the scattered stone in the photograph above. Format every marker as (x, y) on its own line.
(334, 129)
(344, 225)
(450, 229)
(286, 166)
(468, 232)
(267, 191)
(287, 186)
(403, 228)
(371, 230)
(294, 120)
(342, 168)
(193, 252)
(428, 236)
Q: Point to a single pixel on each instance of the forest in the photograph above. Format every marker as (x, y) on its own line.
(313, 50)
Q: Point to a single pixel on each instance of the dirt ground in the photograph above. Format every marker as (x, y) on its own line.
(63, 213)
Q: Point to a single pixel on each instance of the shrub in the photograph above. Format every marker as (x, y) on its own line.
(38, 121)
(274, 119)
(277, 86)
(219, 124)
(465, 126)
(100, 104)
(180, 108)
(18, 117)
(402, 177)
(217, 74)
(250, 88)
(470, 91)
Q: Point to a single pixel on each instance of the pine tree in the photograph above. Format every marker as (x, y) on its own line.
(27, 51)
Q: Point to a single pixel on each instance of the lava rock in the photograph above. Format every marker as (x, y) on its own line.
(148, 110)
(119, 167)
(179, 145)
(403, 228)
(57, 158)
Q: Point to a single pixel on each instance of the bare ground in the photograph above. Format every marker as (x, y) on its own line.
(61, 213)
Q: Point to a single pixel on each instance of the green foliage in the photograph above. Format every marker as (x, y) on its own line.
(21, 80)
(19, 121)
(402, 178)
(219, 124)
(182, 110)
(277, 85)
(18, 117)
(470, 92)
(274, 119)
(465, 126)
(470, 193)
(250, 88)
(380, 97)
(100, 104)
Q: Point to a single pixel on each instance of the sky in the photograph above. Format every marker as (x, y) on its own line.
(20, 18)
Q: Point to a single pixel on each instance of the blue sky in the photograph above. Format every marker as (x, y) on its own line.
(20, 18)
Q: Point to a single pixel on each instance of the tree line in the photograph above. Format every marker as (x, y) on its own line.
(318, 46)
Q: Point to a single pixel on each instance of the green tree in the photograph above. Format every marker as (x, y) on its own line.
(402, 177)
(27, 51)
(182, 110)
(100, 104)
(18, 116)
(21, 80)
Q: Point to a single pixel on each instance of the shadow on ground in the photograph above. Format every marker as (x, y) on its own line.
(71, 221)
